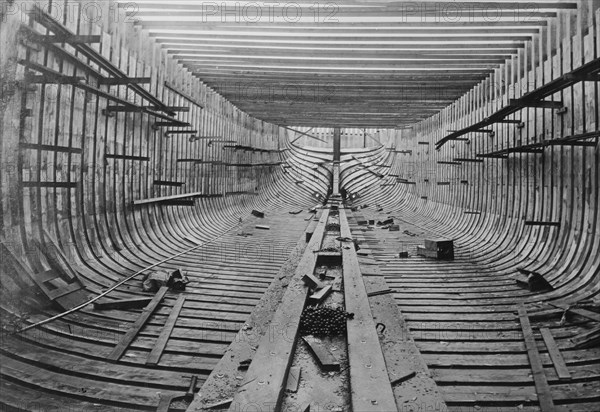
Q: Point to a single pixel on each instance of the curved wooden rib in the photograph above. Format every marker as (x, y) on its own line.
(90, 214)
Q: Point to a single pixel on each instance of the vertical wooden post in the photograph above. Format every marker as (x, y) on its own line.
(337, 132)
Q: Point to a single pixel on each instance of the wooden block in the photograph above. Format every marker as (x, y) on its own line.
(293, 380)
(135, 303)
(326, 360)
(263, 227)
(437, 244)
(321, 294)
(439, 253)
(312, 282)
(258, 214)
(361, 221)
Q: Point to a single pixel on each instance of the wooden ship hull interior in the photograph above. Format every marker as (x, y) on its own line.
(370, 207)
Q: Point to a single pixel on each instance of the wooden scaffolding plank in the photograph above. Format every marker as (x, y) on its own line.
(130, 335)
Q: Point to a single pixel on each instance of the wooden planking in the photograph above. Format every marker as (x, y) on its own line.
(555, 355)
(265, 380)
(541, 384)
(403, 360)
(369, 383)
(165, 334)
(134, 329)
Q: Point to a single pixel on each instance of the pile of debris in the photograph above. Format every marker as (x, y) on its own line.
(175, 280)
(323, 321)
(332, 227)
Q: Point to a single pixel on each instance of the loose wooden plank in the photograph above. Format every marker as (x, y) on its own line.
(164, 336)
(587, 339)
(293, 380)
(311, 281)
(557, 359)
(321, 294)
(135, 303)
(581, 312)
(126, 340)
(219, 404)
(327, 362)
(541, 384)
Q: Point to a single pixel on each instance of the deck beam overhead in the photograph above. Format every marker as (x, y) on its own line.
(296, 52)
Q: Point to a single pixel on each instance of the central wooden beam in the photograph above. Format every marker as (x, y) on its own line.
(369, 382)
